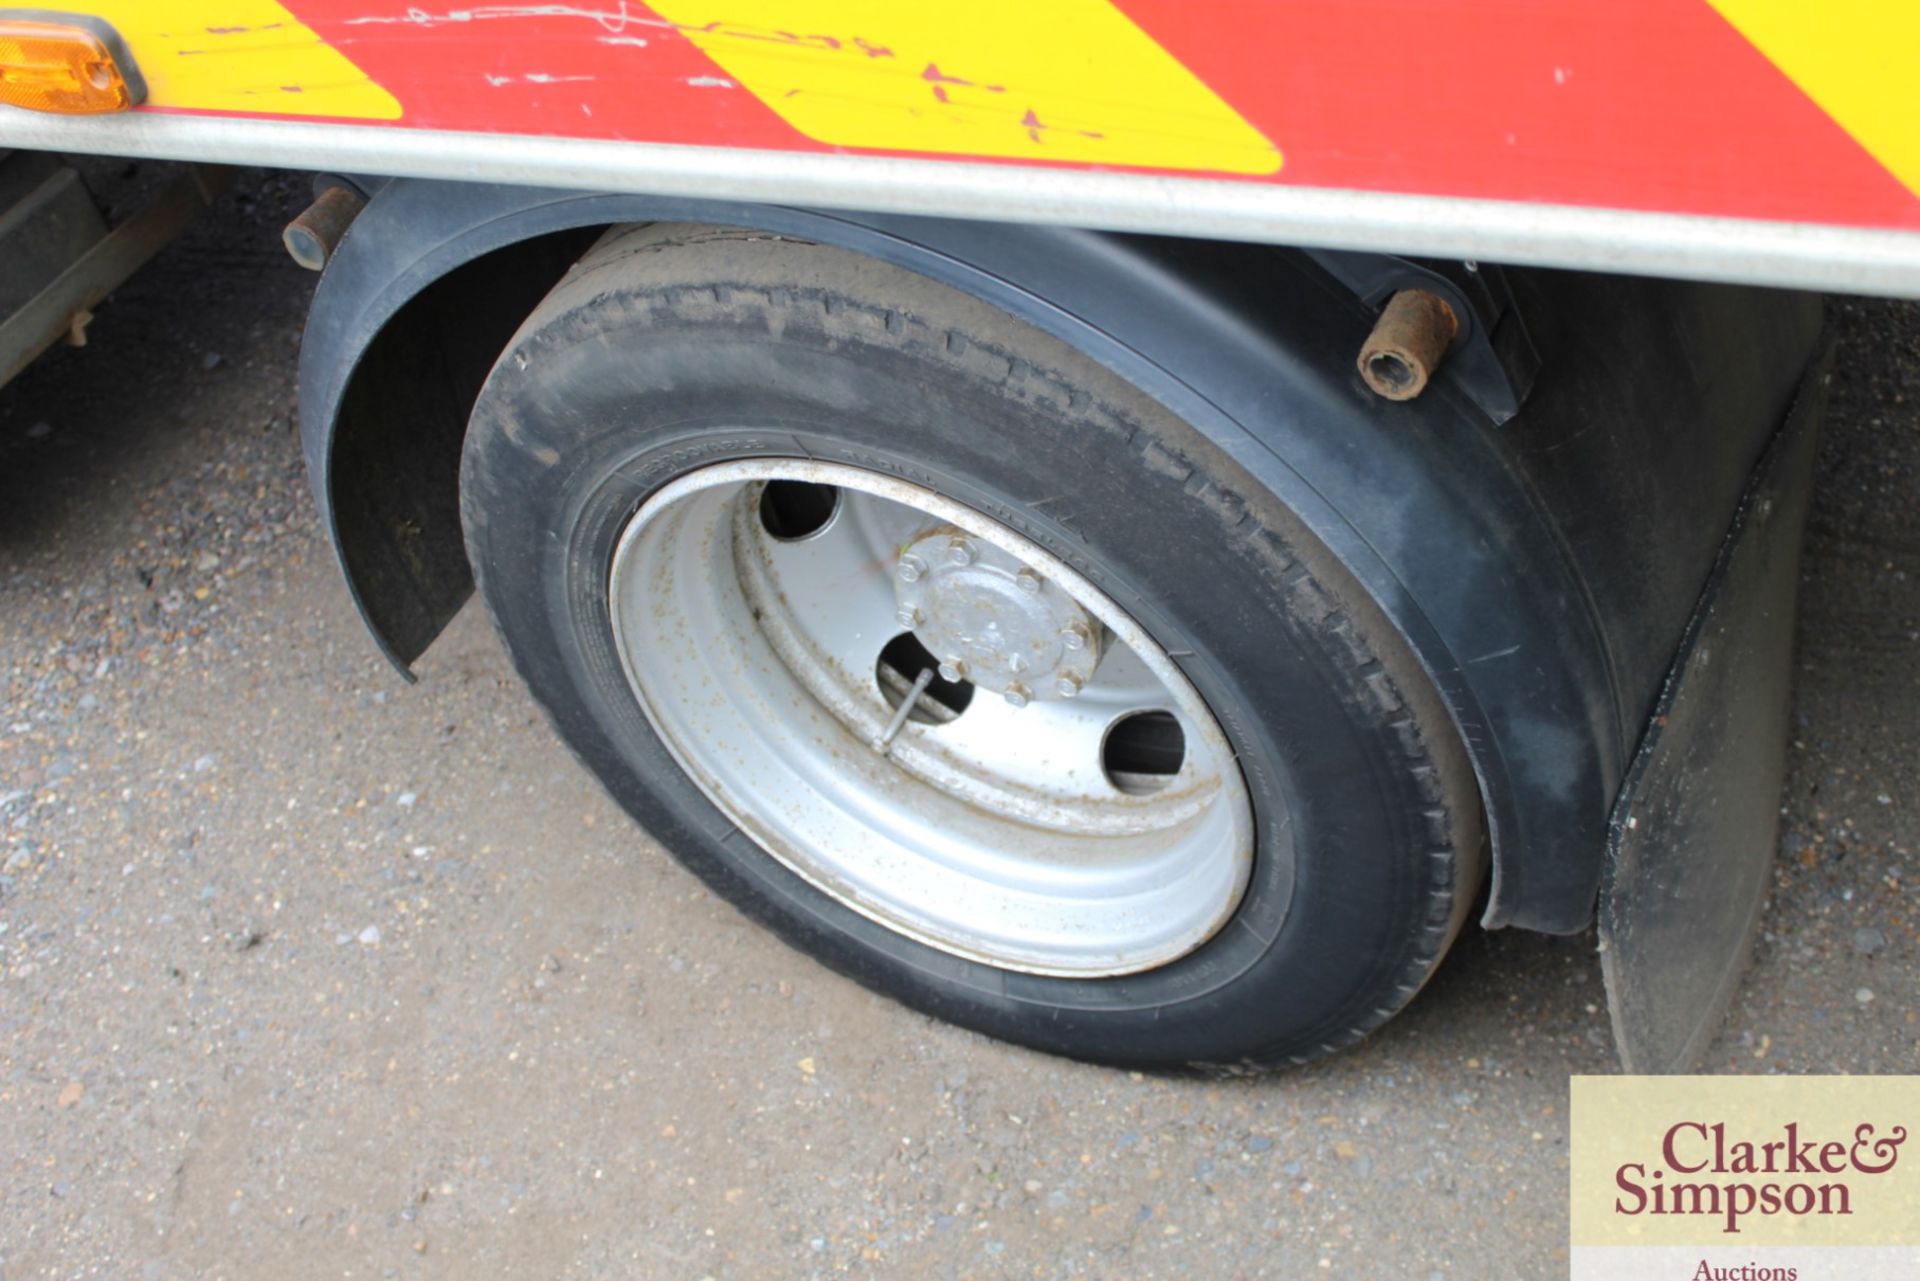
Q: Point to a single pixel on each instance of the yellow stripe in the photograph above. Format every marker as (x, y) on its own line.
(240, 55)
(1030, 79)
(1858, 59)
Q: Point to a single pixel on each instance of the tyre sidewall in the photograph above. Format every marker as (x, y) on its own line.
(599, 405)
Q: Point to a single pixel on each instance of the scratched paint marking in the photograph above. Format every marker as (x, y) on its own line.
(241, 55)
(1067, 80)
(1071, 80)
(536, 78)
(617, 20)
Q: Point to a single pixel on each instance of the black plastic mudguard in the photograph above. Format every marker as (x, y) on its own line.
(1691, 844)
(1542, 565)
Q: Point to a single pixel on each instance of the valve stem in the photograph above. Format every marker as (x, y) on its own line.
(884, 743)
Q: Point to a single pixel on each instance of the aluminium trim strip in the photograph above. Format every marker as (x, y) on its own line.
(1797, 255)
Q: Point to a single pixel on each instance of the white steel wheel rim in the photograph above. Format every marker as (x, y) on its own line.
(998, 835)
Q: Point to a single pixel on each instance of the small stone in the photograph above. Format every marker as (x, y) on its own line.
(17, 860)
(89, 701)
(71, 1095)
(212, 361)
(1345, 1150)
(1863, 995)
(370, 935)
(206, 562)
(1868, 941)
(202, 765)
(405, 800)
(807, 1066)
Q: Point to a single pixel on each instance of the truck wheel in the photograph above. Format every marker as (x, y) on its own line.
(936, 647)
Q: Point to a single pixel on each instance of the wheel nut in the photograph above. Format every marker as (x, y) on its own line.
(953, 670)
(1018, 695)
(1067, 686)
(1029, 581)
(907, 616)
(1075, 636)
(912, 568)
(960, 552)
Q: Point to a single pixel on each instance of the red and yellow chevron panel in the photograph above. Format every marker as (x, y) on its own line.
(1771, 109)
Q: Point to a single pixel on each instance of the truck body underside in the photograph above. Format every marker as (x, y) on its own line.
(1601, 486)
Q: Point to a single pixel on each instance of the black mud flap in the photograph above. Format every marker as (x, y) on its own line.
(1691, 840)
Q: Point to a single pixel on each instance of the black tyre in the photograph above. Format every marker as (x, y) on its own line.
(835, 394)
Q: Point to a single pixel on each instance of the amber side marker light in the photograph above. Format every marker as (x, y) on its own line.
(67, 64)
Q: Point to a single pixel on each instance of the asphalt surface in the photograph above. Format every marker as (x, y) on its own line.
(305, 972)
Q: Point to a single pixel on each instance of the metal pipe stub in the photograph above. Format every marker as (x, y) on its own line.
(312, 237)
(1407, 344)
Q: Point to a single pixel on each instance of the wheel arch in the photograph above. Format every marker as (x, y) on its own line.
(1422, 502)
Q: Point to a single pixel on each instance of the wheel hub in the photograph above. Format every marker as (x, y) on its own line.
(992, 620)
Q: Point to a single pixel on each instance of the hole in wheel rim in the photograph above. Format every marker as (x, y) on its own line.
(902, 660)
(791, 510)
(1143, 752)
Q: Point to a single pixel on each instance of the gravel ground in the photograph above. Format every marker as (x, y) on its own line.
(305, 972)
